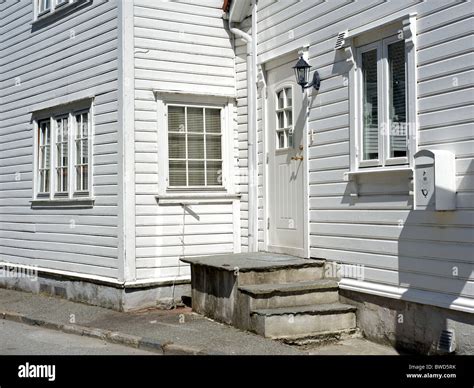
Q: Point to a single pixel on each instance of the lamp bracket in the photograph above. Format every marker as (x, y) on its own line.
(315, 83)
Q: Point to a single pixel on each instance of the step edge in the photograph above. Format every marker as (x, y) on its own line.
(321, 335)
(338, 309)
(277, 292)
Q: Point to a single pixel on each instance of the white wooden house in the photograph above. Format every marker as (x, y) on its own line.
(134, 133)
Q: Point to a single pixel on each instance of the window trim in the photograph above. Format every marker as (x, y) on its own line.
(72, 196)
(405, 25)
(228, 160)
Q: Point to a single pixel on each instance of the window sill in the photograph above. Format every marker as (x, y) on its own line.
(180, 198)
(68, 203)
(349, 176)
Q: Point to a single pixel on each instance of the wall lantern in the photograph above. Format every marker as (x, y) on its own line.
(302, 75)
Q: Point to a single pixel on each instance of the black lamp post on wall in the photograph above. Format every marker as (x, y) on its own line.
(302, 75)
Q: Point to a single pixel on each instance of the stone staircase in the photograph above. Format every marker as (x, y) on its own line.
(277, 296)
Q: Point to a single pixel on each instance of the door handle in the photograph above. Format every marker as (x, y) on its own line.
(296, 158)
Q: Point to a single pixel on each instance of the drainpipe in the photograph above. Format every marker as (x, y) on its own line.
(251, 126)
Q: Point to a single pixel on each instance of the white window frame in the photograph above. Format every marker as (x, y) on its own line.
(54, 5)
(380, 35)
(186, 159)
(37, 154)
(58, 193)
(40, 4)
(53, 114)
(166, 99)
(74, 140)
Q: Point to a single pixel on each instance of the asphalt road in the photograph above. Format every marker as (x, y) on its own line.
(20, 339)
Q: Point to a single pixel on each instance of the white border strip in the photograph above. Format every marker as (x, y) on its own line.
(451, 302)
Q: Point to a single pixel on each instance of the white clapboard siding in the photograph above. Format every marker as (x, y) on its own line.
(40, 66)
(378, 229)
(181, 46)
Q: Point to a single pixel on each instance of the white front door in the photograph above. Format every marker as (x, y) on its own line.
(286, 123)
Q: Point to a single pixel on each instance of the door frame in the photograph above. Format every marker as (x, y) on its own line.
(265, 110)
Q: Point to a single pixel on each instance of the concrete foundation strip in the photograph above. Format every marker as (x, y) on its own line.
(150, 344)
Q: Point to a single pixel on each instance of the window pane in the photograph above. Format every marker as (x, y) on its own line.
(281, 122)
(214, 173)
(289, 101)
(85, 151)
(195, 147)
(176, 119)
(289, 118)
(196, 173)
(47, 157)
(85, 125)
(177, 173)
(176, 146)
(397, 94)
(195, 120)
(370, 102)
(280, 139)
(213, 120)
(280, 97)
(62, 180)
(78, 152)
(79, 176)
(85, 177)
(46, 181)
(213, 147)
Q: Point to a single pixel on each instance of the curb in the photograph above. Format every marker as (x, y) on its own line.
(145, 343)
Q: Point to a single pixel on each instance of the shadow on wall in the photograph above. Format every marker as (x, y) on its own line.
(435, 254)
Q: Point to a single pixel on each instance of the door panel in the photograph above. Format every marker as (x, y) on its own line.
(286, 127)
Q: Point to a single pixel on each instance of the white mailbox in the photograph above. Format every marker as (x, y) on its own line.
(435, 180)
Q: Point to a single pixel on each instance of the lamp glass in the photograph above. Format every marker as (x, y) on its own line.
(302, 72)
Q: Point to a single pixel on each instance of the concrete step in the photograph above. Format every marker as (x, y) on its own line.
(299, 270)
(302, 321)
(322, 338)
(274, 295)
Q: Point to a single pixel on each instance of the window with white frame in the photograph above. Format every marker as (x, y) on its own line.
(194, 146)
(383, 94)
(82, 151)
(63, 154)
(284, 118)
(383, 127)
(46, 7)
(44, 156)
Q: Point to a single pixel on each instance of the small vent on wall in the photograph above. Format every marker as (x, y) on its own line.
(447, 341)
(341, 38)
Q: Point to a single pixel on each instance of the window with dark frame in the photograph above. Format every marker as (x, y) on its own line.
(63, 154)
